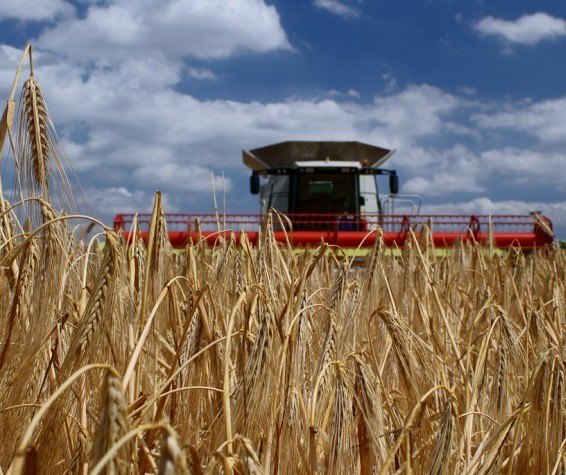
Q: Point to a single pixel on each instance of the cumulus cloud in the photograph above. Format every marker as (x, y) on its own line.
(126, 128)
(458, 170)
(530, 166)
(35, 10)
(121, 199)
(443, 172)
(181, 177)
(528, 29)
(545, 120)
(416, 111)
(390, 82)
(184, 28)
(136, 141)
(337, 7)
(201, 73)
(9, 58)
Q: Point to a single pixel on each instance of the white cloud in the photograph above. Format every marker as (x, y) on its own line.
(110, 201)
(174, 29)
(126, 127)
(528, 29)
(337, 7)
(180, 177)
(530, 166)
(414, 112)
(545, 120)
(485, 205)
(131, 130)
(9, 59)
(441, 173)
(390, 82)
(35, 10)
(442, 183)
(459, 170)
(121, 199)
(160, 138)
(468, 91)
(201, 73)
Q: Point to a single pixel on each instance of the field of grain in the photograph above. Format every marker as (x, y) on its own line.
(119, 358)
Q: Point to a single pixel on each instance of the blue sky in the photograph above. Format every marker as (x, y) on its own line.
(158, 94)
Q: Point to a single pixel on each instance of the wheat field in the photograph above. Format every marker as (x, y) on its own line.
(123, 357)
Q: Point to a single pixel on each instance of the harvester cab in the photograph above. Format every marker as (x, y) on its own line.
(317, 183)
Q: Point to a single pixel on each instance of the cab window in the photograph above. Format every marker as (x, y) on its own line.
(326, 193)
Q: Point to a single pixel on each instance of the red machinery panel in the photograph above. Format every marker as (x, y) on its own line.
(352, 231)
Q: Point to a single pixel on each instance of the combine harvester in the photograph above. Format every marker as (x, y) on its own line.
(328, 192)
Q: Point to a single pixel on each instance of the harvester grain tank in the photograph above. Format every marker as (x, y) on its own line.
(329, 192)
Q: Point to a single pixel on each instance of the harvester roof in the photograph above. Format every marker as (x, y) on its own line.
(285, 154)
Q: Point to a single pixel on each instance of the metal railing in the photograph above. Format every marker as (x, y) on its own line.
(337, 222)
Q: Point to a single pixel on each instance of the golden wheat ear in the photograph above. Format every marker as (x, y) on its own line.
(35, 116)
(42, 168)
(173, 460)
(114, 424)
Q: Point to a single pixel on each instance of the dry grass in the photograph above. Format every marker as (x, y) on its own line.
(133, 359)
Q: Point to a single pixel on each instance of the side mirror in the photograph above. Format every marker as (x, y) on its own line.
(393, 183)
(254, 183)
